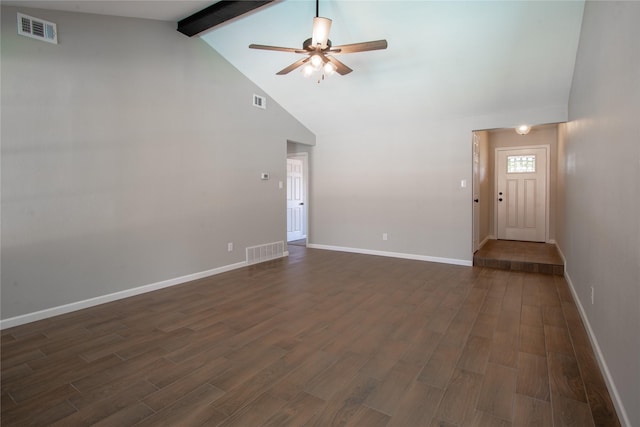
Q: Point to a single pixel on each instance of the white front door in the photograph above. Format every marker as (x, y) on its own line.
(295, 200)
(522, 193)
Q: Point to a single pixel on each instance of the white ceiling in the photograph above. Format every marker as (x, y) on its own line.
(445, 58)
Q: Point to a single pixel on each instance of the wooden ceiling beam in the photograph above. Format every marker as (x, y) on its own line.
(216, 14)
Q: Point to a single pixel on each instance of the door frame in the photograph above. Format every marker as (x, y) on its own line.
(547, 148)
(475, 191)
(305, 185)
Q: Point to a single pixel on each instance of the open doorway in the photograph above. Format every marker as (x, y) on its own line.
(514, 197)
(481, 189)
(297, 198)
(495, 219)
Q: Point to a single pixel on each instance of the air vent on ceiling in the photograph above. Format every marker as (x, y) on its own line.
(37, 28)
(259, 101)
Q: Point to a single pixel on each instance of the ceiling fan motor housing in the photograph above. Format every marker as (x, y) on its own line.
(308, 45)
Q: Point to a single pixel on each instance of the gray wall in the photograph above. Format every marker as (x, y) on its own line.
(131, 154)
(600, 174)
(402, 177)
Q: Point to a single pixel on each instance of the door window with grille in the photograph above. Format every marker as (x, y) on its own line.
(521, 164)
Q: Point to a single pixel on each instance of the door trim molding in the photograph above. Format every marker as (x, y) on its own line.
(475, 193)
(547, 148)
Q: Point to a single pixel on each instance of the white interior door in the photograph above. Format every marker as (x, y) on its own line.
(522, 193)
(295, 200)
(476, 192)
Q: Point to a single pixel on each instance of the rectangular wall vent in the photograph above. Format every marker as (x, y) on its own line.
(259, 101)
(37, 28)
(266, 252)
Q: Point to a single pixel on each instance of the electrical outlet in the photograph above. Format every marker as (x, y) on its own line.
(229, 246)
(592, 295)
(385, 236)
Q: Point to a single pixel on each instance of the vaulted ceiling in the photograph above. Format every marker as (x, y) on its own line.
(445, 58)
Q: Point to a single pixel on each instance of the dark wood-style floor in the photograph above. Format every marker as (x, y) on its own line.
(318, 339)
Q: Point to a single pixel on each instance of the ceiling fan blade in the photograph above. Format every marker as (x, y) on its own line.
(340, 67)
(359, 47)
(293, 66)
(278, 48)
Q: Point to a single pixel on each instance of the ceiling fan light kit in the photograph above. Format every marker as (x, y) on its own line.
(320, 36)
(319, 51)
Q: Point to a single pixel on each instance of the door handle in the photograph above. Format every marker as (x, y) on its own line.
(476, 200)
(500, 199)
(300, 204)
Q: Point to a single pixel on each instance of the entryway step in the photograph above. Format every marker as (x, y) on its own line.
(512, 255)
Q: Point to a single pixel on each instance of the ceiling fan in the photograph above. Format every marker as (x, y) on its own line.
(319, 50)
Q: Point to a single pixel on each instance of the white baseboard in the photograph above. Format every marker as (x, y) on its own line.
(492, 237)
(564, 262)
(486, 239)
(393, 254)
(613, 391)
(79, 305)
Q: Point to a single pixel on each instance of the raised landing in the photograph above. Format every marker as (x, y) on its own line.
(512, 255)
